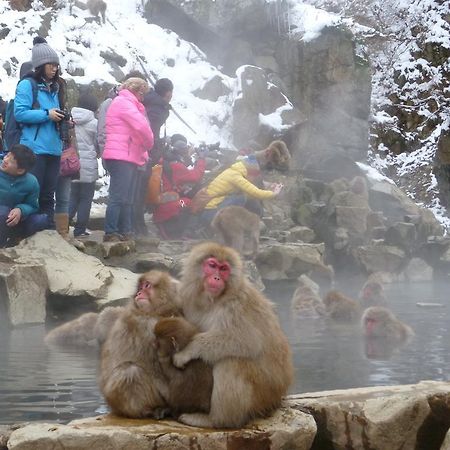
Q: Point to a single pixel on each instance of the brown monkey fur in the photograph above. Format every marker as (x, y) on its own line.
(380, 322)
(232, 223)
(340, 307)
(189, 390)
(307, 303)
(372, 294)
(240, 336)
(130, 376)
(88, 329)
(78, 332)
(275, 156)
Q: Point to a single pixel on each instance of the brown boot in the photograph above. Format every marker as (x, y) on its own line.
(62, 225)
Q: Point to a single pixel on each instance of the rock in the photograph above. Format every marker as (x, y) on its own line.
(71, 273)
(213, 88)
(123, 286)
(418, 270)
(379, 257)
(300, 233)
(111, 249)
(286, 429)
(288, 261)
(151, 261)
(401, 234)
(23, 290)
(379, 418)
(446, 443)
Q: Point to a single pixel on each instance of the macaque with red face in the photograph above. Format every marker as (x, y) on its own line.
(130, 375)
(372, 294)
(189, 390)
(380, 322)
(239, 336)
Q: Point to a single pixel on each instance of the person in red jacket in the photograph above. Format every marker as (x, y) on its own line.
(179, 184)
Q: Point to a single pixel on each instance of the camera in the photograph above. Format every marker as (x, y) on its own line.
(64, 126)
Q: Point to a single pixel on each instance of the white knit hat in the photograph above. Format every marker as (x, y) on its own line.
(43, 54)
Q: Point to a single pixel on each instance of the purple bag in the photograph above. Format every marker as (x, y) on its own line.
(70, 163)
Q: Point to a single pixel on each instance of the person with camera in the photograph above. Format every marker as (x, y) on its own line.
(39, 121)
(172, 215)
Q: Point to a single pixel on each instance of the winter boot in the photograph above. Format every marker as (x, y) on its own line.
(62, 225)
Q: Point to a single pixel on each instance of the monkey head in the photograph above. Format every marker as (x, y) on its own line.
(156, 293)
(213, 269)
(371, 289)
(376, 320)
(173, 334)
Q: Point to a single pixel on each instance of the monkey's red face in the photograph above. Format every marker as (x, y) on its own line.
(143, 297)
(215, 276)
(369, 326)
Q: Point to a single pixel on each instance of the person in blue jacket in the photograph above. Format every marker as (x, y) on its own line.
(19, 192)
(39, 121)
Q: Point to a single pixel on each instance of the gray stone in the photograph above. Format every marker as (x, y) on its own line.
(401, 234)
(300, 233)
(379, 257)
(286, 429)
(23, 289)
(418, 270)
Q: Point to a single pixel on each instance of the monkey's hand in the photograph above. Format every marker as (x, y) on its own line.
(180, 359)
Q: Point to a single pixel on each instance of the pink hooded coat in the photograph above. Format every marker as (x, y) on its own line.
(128, 132)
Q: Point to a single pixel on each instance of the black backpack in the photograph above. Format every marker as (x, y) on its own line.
(12, 128)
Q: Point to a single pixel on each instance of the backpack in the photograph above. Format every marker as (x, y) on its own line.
(155, 196)
(12, 128)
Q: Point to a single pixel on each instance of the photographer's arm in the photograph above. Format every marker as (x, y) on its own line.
(23, 105)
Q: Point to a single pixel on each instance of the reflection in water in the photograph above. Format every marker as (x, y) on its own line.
(37, 383)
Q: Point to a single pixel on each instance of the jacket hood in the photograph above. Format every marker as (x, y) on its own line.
(239, 167)
(152, 99)
(81, 115)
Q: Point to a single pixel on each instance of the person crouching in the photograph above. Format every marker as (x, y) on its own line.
(19, 195)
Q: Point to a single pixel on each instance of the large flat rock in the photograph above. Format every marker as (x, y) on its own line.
(286, 429)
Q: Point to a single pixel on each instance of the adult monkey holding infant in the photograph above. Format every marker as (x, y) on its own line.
(240, 337)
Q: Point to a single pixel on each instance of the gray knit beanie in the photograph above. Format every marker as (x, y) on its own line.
(43, 54)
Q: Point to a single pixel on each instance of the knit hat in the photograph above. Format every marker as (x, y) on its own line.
(42, 54)
(179, 147)
(251, 165)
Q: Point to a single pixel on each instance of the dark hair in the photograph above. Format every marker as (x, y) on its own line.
(58, 84)
(162, 86)
(24, 156)
(177, 137)
(134, 74)
(88, 101)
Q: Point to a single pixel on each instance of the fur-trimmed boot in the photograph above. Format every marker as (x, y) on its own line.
(62, 225)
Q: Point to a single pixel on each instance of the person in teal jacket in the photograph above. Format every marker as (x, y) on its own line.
(19, 193)
(39, 121)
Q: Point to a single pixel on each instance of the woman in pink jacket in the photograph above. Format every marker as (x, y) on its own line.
(128, 140)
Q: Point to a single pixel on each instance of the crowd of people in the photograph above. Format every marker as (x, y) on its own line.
(127, 131)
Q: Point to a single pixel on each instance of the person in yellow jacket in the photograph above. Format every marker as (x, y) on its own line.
(234, 187)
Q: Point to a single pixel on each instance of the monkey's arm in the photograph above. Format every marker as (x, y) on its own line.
(214, 345)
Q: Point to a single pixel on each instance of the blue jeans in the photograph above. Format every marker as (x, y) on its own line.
(46, 170)
(62, 194)
(81, 195)
(120, 200)
(25, 228)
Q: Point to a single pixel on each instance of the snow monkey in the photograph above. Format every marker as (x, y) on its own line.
(97, 7)
(233, 223)
(275, 156)
(189, 390)
(372, 294)
(130, 376)
(239, 335)
(340, 307)
(380, 322)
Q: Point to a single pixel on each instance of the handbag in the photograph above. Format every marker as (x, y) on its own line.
(70, 161)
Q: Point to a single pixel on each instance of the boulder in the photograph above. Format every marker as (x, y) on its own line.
(289, 261)
(286, 429)
(23, 289)
(379, 257)
(401, 234)
(418, 270)
(379, 418)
